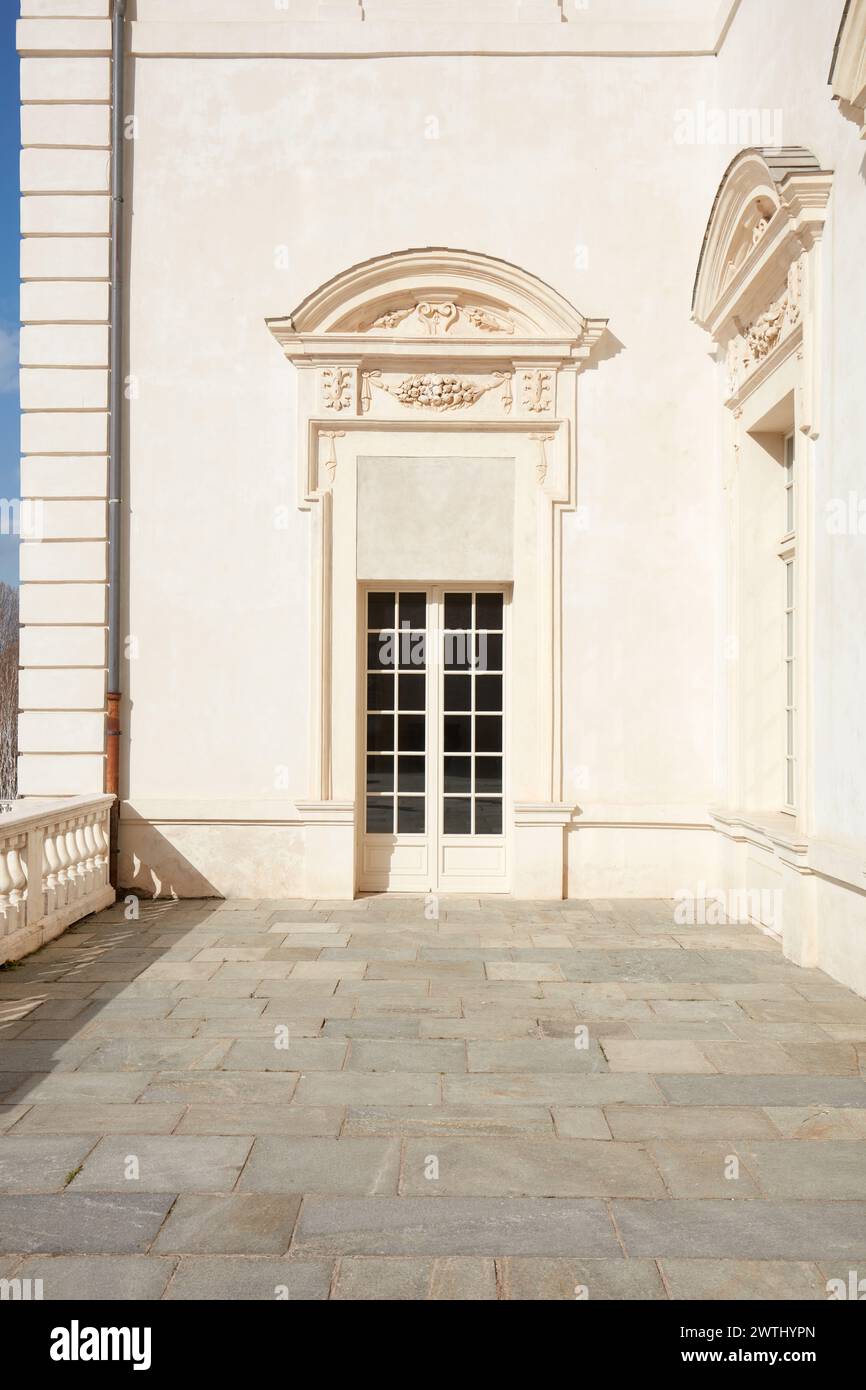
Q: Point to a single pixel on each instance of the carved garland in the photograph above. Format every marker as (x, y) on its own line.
(436, 391)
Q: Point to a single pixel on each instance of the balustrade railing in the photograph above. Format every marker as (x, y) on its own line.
(53, 869)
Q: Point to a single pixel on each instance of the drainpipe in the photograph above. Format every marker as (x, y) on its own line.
(112, 762)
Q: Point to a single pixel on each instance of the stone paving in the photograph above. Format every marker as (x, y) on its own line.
(320, 1100)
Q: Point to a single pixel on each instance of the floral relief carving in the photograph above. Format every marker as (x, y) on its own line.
(436, 391)
(438, 317)
(337, 388)
(537, 391)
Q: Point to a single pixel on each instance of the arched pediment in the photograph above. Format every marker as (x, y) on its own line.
(767, 199)
(440, 293)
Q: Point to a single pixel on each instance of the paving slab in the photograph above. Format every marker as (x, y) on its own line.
(406, 1056)
(354, 1167)
(229, 1224)
(34, 1163)
(580, 1280)
(97, 1118)
(750, 1230)
(248, 1279)
(743, 1280)
(449, 1279)
(91, 1278)
(466, 1167)
(82, 1222)
(154, 1163)
(453, 1226)
(699, 1122)
(834, 1091)
(259, 1119)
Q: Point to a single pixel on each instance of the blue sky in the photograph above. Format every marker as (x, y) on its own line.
(9, 240)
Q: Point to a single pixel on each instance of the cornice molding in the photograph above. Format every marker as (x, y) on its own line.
(848, 73)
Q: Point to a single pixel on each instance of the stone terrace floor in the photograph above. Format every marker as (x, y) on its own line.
(431, 1130)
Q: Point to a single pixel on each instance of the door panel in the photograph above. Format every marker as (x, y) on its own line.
(434, 740)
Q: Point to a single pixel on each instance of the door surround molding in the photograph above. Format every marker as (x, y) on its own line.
(436, 354)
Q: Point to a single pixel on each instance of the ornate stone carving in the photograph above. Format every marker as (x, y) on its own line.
(541, 465)
(765, 333)
(435, 391)
(337, 388)
(537, 387)
(331, 460)
(437, 317)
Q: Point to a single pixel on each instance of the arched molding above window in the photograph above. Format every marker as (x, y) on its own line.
(848, 73)
(758, 280)
(448, 337)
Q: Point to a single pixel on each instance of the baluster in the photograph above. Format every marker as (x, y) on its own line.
(50, 865)
(63, 888)
(73, 872)
(102, 846)
(16, 873)
(6, 885)
(83, 864)
(90, 863)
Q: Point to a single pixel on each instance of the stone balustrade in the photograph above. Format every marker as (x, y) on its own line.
(53, 869)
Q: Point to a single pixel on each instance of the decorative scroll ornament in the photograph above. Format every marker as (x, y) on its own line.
(337, 388)
(438, 317)
(435, 391)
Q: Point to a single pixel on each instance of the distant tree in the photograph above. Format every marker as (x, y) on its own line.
(8, 692)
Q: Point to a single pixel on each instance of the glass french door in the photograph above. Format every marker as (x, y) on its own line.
(434, 740)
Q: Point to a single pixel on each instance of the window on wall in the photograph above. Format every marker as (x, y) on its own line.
(789, 558)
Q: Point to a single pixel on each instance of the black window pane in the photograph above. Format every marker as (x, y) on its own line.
(380, 732)
(411, 693)
(411, 733)
(380, 774)
(456, 815)
(457, 733)
(488, 693)
(458, 692)
(380, 815)
(410, 815)
(488, 815)
(488, 652)
(381, 650)
(413, 610)
(458, 611)
(458, 775)
(411, 650)
(488, 611)
(380, 610)
(380, 692)
(457, 651)
(488, 733)
(488, 775)
(410, 774)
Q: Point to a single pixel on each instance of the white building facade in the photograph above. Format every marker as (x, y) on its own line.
(491, 439)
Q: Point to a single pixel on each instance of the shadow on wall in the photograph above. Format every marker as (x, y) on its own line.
(607, 347)
(137, 877)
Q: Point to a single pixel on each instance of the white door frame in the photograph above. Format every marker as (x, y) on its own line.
(487, 871)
